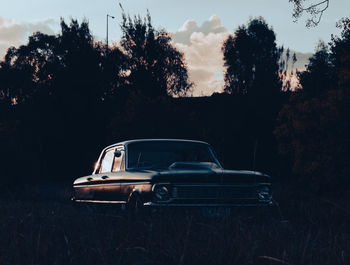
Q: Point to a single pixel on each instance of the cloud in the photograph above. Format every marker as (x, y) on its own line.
(15, 34)
(201, 46)
(183, 35)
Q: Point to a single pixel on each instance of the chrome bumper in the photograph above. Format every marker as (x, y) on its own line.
(155, 204)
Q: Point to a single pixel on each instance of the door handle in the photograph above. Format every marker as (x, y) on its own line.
(104, 177)
(89, 178)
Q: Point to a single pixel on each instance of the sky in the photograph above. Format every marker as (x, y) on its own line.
(198, 26)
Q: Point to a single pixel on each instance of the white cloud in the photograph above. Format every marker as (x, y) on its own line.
(183, 35)
(201, 46)
(15, 34)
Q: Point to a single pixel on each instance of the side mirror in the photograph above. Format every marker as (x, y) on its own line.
(117, 153)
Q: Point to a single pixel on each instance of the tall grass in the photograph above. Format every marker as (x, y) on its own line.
(312, 231)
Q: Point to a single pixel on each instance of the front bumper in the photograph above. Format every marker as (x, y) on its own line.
(157, 204)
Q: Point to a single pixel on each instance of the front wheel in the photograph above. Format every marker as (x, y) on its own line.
(135, 204)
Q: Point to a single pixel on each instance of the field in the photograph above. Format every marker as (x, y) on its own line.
(48, 231)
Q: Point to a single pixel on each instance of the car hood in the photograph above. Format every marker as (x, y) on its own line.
(208, 175)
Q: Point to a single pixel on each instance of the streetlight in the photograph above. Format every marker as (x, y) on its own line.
(107, 29)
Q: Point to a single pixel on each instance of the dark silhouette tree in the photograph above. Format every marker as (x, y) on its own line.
(340, 47)
(319, 75)
(25, 68)
(251, 60)
(314, 126)
(155, 66)
(67, 65)
(58, 87)
(89, 72)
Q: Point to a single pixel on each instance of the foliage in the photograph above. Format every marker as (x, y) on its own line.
(253, 77)
(320, 74)
(64, 97)
(313, 133)
(60, 92)
(50, 65)
(54, 88)
(340, 48)
(251, 60)
(155, 66)
(314, 126)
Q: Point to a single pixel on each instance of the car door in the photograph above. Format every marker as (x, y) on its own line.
(111, 181)
(102, 176)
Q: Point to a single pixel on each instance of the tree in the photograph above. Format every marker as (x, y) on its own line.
(155, 66)
(340, 47)
(315, 10)
(319, 75)
(25, 68)
(57, 88)
(67, 65)
(313, 128)
(251, 60)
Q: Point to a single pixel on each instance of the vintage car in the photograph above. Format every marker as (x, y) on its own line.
(169, 172)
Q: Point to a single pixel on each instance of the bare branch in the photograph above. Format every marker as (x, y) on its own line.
(314, 10)
(316, 5)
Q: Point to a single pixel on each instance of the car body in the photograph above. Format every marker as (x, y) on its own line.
(169, 172)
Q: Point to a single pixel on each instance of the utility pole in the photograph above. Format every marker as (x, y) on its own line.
(107, 30)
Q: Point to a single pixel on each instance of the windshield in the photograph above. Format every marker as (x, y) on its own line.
(162, 154)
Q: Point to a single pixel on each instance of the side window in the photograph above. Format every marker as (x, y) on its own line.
(107, 161)
(118, 163)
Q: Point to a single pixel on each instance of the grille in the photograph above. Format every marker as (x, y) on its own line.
(217, 192)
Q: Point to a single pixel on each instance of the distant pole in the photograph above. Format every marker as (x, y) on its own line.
(107, 30)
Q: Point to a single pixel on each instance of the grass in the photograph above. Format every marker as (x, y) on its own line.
(313, 231)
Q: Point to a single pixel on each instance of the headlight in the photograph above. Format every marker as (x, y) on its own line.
(161, 193)
(264, 194)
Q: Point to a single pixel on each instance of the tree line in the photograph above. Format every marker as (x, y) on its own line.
(64, 97)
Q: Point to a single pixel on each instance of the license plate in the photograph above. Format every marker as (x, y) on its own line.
(216, 211)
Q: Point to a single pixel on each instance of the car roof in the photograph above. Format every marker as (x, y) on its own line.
(125, 143)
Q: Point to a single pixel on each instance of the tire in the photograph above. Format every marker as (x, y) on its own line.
(135, 204)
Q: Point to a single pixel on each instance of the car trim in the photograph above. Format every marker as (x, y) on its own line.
(207, 204)
(96, 201)
(111, 184)
(214, 185)
(186, 204)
